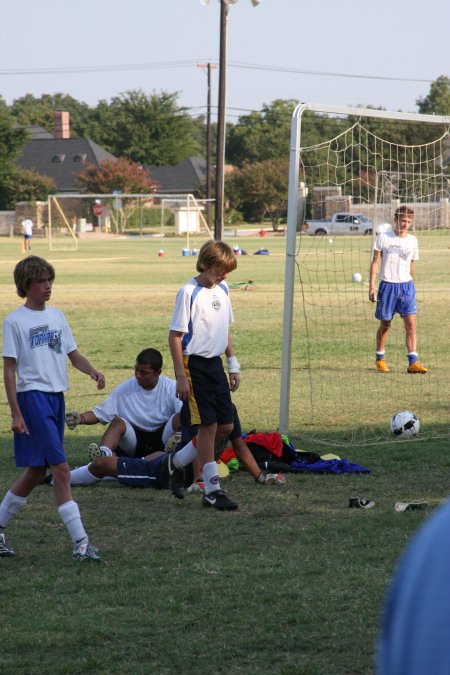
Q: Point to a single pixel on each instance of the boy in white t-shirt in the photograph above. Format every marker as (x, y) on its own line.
(37, 341)
(142, 413)
(397, 252)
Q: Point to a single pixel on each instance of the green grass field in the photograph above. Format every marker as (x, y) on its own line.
(292, 582)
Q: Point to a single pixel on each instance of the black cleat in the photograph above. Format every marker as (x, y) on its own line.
(176, 478)
(218, 500)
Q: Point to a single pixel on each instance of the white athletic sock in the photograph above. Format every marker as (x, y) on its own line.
(185, 456)
(10, 507)
(70, 515)
(82, 476)
(210, 474)
(106, 451)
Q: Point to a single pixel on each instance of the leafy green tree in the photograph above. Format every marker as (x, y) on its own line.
(437, 102)
(261, 136)
(30, 110)
(17, 184)
(21, 185)
(259, 190)
(151, 130)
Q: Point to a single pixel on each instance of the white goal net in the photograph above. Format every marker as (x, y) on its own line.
(341, 189)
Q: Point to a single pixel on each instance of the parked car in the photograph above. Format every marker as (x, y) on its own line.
(344, 223)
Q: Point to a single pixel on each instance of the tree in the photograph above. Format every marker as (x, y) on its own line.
(438, 100)
(117, 175)
(29, 110)
(111, 175)
(151, 130)
(21, 185)
(259, 190)
(261, 136)
(17, 184)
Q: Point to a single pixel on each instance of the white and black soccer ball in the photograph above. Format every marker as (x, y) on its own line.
(405, 424)
(356, 277)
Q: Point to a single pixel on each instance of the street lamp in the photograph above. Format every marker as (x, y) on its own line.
(220, 155)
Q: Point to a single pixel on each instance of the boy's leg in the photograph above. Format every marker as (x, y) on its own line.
(70, 513)
(111, 439)
(11, 505)
(104, 467)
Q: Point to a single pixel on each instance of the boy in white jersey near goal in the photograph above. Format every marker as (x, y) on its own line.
(198, 337)
(397, 252)
(37, 341)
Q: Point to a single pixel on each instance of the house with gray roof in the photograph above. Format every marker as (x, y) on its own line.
(187, 177)
(58, 156)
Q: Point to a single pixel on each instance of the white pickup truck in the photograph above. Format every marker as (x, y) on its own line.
(344, 223)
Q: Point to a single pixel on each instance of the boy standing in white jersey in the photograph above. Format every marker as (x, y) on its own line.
(37, 341)
(397, 251)
(198, 337)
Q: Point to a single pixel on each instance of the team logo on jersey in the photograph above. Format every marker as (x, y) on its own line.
(215, 303)
(402, 253)
(42, 336)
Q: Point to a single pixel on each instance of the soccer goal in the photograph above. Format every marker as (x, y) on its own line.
(71, 216)
(344, 187)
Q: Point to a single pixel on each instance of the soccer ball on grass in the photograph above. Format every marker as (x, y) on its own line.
(405, 424)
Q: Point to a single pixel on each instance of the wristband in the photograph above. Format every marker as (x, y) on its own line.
(233, 364)
(261, 479)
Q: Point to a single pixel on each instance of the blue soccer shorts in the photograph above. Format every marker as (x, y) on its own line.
(395, 298)
(43, 413)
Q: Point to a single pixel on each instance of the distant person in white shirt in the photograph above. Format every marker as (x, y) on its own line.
(397, 252)
(142, 412)
(27, 229)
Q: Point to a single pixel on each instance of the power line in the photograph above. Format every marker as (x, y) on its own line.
(76, 70)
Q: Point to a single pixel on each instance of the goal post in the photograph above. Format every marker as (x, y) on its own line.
(387, 165)
(155, 214)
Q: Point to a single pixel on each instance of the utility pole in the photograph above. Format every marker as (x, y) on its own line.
(208, 67)
(220, 158)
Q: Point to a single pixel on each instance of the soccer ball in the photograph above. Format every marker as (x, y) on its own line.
(405, 424)
(357, 277)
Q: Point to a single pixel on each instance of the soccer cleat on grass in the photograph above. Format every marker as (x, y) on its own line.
(358, 503)
(87, 552)
(382, 366)
(94, 452)
(5, 550)
(417, 367)
(400, 507)
(218, 500)
(176, 478)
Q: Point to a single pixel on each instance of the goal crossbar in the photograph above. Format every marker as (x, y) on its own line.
(292, 214)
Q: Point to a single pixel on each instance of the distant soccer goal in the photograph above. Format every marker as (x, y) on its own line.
(344, 188)
(71, 216)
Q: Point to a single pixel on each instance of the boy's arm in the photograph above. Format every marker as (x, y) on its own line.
(373, 275)
(183, 389)
(9, 377)
(83, 364)
(412, 269)
(234, 368)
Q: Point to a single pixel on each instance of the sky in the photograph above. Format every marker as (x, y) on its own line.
(352, 52)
